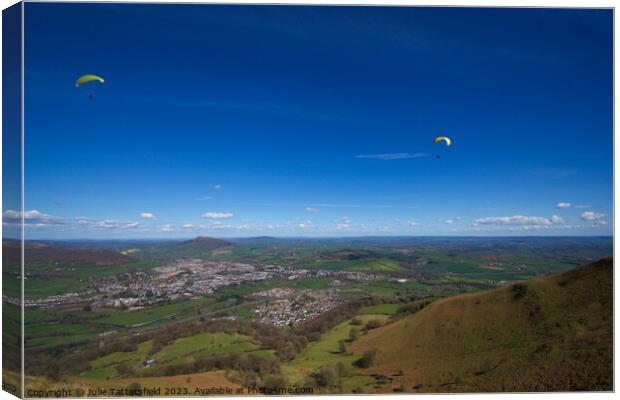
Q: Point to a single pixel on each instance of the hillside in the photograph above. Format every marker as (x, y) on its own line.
(39, 252)
(201, 246)
(546, 334)
(205, 242)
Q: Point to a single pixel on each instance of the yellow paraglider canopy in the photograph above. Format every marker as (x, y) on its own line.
(444, 138)
(88, 78)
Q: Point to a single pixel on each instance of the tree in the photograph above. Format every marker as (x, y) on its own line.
(326, 376)
(373, 324)
(342, 348)
(368, 359)
(353, 334)
(286, 351)
(275, 381)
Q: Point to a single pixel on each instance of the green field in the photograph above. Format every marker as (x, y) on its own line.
(48, 279)
(326, 350)
(382, 265)
(387, 309)
(105, 367)
(204, 344)
(57, 340)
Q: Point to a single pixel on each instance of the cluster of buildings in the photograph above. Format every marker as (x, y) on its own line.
(275, 293)
(298, 307)
(47, 302)
(182, 279)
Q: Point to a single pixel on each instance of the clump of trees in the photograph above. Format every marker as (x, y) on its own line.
(342, 347)
(373, 324)
(519, 290)
(314, 328)
(329, 376)
(412, 308)
(369, 358)
(326, 376)
(354, 333)
(249, 363)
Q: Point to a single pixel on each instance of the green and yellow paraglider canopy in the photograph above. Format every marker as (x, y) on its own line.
(88, 78)
(442, 138)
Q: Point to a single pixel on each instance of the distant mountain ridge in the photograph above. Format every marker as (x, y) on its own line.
(41, 252)
(206, 242)
(546, 334)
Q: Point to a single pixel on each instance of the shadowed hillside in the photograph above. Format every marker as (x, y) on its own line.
(39, 252)
(552, 333)
(201, 246)
(206, 243)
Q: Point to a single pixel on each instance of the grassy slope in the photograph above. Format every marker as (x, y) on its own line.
(557, 335)
(204, 344)
(325, 351)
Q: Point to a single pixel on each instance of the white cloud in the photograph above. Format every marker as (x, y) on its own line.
(519, 220)
(563, 205)
(89, 223)
(216, 186)
(593, 216)
(392, 156)
(188, 226)
(412, 222)
(448, 221)
(31, 217)
(311, 209)
(213, 224)
(345, 223)
(34, 218)
(167, 228)
(217, 215)
(203, 198)
(148, 215)
(86, 222)
(305, 225)
(556, 219)
(113, 224)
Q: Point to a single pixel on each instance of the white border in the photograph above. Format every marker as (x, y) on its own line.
(23, 205)
(459, 3)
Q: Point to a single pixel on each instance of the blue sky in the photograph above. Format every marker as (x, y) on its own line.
(316, 121)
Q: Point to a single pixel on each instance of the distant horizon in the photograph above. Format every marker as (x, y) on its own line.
(176, 239)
